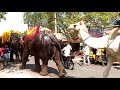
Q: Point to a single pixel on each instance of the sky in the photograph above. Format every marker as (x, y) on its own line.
(14, 21)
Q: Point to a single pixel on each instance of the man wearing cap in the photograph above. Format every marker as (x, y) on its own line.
(116, 28)
(117, 21)
(82, 18)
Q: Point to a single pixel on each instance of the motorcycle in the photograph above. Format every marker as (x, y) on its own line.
(67, 62)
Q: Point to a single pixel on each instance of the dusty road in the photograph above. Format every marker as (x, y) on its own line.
(93, 71)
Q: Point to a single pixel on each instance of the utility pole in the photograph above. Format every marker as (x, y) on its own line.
(55, 22)
(28, 26)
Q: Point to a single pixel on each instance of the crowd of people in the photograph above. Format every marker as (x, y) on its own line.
(4, 52)
(89, 55)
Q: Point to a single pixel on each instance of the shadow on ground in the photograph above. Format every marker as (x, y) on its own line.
(76, 77)
(68, 77)
(50, 69)
(118, 68)
(8, 66)
(52, 72)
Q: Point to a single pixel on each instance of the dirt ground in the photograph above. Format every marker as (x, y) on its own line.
(92, 71)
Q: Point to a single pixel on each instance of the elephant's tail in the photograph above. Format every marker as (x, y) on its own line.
(55, 40)
(57, 44)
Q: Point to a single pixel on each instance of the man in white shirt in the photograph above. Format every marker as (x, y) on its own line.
(98, 55)
(67, 50)
(86, 55)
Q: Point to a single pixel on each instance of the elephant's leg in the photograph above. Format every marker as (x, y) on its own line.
(21, 56)
(44, 68)
(17, 57)
(109, 64)
(11, 56)
(37, 63)
(24, 57)
(58, 61)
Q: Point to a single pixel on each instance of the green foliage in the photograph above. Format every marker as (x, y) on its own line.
(64, 19)
(100, 19)
(35, 18)
(2, 15)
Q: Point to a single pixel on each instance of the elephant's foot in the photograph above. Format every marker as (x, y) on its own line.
(62, 73)
(22, 67)
(2, 66)
(12, 60)
(44, 73)
(37, 69)
(18, 61)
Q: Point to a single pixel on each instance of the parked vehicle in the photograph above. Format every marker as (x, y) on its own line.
(67, 62)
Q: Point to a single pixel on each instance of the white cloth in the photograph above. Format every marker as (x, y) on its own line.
(81, 44)
(86, 50)
(67, 50)
(98, 52)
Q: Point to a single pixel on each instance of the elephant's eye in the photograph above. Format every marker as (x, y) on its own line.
(74, 26)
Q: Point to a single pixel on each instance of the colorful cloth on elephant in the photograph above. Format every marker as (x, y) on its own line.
(33, 33)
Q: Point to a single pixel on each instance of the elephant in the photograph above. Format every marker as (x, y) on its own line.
(44, 46)
(15, 46)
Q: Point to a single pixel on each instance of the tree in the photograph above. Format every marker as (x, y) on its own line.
(64, 19)
(100, 19)
(35, 18)
(95, 20)
(2, 15)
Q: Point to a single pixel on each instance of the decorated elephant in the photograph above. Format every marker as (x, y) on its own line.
(44, 46)
(12, 39)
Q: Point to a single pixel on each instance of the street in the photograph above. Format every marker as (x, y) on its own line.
(92, 71)
(84, 36)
